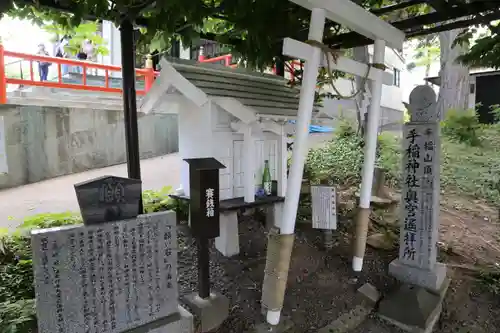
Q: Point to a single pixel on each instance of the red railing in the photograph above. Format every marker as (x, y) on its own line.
(146, 74)
(227, 58)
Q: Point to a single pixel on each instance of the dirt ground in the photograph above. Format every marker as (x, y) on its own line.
(320, 284)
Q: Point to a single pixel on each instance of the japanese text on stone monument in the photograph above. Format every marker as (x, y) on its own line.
(105, 278)
(420, 177)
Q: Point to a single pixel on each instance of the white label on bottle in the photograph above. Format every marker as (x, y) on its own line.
(267, 187)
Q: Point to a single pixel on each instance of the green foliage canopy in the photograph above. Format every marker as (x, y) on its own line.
(485, 50)
(78, 34)
(255, 28)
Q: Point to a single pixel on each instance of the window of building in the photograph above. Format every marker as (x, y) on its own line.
(397, 77)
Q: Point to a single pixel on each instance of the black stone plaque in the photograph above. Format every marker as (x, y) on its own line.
(108, 198)
(204, 196)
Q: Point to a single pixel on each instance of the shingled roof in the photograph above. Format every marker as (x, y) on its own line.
(267, 95)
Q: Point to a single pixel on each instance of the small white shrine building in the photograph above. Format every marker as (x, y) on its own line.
(233, 115)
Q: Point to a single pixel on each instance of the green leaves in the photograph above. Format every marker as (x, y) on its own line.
(78, 34)
(254, 28)
(18, 317)
(17, 304)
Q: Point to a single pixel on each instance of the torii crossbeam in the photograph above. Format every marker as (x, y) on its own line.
(356, 18)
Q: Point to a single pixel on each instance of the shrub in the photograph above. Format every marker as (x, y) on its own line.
(389, 157)
(340, 160)
(495, 111)
(462, 126)
(17, 294)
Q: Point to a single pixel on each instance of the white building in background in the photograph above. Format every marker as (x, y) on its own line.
(111, 35)
(392, 107)
(392, 96)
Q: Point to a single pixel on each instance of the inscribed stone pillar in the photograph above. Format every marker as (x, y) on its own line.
(420, 197)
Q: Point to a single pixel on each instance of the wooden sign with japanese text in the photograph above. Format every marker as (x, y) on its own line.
(106, 278)
(324, 207)
(420, 196)
(204, 196)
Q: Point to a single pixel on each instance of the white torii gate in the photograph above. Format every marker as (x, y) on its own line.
(357, 19)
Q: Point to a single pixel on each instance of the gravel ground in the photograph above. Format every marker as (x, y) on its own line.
(320, 285)
(319, 289)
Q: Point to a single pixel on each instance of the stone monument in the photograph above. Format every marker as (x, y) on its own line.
(417, 264)
(113, 277)
(108, 198)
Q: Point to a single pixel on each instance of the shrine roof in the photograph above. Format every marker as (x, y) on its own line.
(266, 94)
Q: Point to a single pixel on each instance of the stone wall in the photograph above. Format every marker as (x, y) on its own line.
(43, 142)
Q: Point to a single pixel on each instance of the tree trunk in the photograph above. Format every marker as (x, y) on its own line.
(454, 89)
(428, 67)
(361, 55)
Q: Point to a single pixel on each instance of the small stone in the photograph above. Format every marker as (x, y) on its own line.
(380, 241)
(369, 293)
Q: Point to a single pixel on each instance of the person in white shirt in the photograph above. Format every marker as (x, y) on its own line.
(61, 53)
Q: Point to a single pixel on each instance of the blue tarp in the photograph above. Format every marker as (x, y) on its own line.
(317, 128)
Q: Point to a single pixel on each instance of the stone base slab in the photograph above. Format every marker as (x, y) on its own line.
(428, 279)
(413, 308)
(285, 325)
(212, 311)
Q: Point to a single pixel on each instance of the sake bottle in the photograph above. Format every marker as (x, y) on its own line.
(266, 179)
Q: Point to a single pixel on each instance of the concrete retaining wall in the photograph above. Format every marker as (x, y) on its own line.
(43, 142)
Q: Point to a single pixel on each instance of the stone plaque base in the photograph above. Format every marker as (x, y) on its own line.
(211, 311)
(428, 279)
(285, 325)
(182, 324)
(413, 308)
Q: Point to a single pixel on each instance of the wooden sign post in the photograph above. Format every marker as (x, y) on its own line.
(210, 307)
(204, 213)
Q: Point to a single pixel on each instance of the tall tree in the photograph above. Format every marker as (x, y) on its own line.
(454, 76)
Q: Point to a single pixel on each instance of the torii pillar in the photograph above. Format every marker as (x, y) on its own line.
(358, 19)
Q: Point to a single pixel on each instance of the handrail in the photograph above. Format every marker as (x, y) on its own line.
(227, 59)
(146, 74)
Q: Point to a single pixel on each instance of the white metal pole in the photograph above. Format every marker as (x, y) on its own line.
(369, 161)
(300, 144)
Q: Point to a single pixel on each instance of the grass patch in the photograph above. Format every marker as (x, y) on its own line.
(17, 293)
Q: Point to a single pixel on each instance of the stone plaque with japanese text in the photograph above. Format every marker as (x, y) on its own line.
(106, 278)
(108, 198)
(324, 207)
(417, 263)
(3, 150)
(420, 196)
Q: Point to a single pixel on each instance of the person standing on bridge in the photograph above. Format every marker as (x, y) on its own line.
(43, 66)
